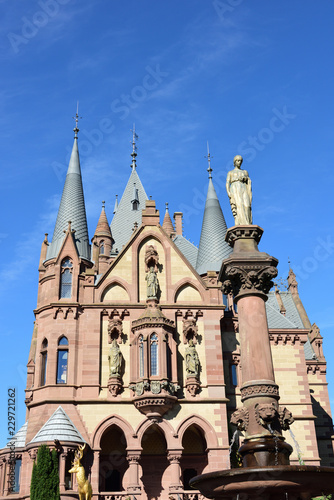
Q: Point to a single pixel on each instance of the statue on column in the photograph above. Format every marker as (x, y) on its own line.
(115, 360)
(239, 190)
(192, 360)
(152, 284)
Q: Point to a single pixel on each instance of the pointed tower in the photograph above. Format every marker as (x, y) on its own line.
(212, 246)
(129, 210)
(168, 224)
(102, 242)
(72, 208)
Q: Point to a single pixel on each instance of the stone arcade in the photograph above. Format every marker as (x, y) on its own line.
(135, 353)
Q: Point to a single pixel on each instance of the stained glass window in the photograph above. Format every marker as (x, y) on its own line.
(62, 358)
(154, 354)
(141, 356)
(66, 279)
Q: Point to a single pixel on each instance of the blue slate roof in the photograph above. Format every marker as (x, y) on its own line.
(212, 246)
(123, 221)
(20, 437)
(290, 320)
(71, 208)
(188, 249)
(59, 426)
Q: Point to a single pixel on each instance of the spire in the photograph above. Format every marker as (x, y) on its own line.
(127, 213)
(72, 207)
(167, 224)
(134, 148)
(103, 228)
(212, 246)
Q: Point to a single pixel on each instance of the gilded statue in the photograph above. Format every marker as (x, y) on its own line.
(152, 284)
(192, 360)
(239, 190)
(84, 486)
(115, 359)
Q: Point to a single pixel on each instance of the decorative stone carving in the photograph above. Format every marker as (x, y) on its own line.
(115, 330)
(285, 418)
(151, 258)
(240, 418)
(257, 390)
(248, 279)
(193, 385)
(174, 457)
(239, 190)
(190, 329)
(265, 413)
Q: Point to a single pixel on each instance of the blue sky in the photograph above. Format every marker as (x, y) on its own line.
(249, 77)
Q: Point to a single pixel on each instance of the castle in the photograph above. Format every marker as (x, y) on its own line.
(135, 352)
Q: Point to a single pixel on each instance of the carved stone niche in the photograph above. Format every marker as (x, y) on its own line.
(115, 330)
(190, 329)
(151, 258)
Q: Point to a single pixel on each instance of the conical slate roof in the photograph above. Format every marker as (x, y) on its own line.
(102, 228)
(122, 224)
(59, 426)
(19, 439)
(212, 246)
(71, 208)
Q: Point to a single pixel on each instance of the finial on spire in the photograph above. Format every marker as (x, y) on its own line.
(76, 118)
(166, 206)
(134, 147)
(103, 204)
(116, 204)
(209, 161)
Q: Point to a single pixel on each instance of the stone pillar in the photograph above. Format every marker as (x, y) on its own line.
(133, 457)
(94, 473)
(247, 273)
(62, 471)
(174, 457)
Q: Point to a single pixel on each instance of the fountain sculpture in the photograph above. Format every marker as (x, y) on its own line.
(265, 473)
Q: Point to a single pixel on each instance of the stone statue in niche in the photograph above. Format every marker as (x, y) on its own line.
(151, 258)
(239, 190)
(152, 284)
(115, 360)
(192, 360)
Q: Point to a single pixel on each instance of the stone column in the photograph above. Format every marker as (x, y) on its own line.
(62, 471)
(247, 273)
(174, 458)
(94, 473)
(133, 458)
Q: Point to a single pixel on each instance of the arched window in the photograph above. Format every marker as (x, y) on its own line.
(102, 247)
(62, 358)
(44, 358)
(154, 355)
(141, 356)
(66, 279)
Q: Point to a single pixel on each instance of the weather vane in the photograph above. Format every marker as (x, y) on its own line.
(76, 118)
(134, 147)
